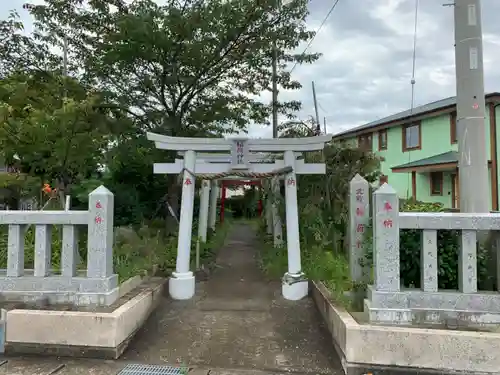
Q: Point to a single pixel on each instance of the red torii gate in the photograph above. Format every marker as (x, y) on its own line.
(225, 183)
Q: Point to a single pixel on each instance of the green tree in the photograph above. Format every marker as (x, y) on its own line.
(297, 128)
(186, 68)
(24, 53)
(55, 137)
(189, 67)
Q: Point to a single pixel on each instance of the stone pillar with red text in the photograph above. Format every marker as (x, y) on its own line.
(359, 219)
(100, 234)
(386, 239)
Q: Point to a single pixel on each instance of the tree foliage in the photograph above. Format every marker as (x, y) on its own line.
(184, 68)
(54, 137)
(298, 128)
(323, 199)
(191, 67)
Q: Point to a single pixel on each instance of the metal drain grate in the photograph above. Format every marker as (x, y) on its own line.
(136, 369)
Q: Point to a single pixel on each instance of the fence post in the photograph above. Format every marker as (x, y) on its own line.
(100, 233)
(214, 195)
(202, 218)
(386, 239)
(359, 218)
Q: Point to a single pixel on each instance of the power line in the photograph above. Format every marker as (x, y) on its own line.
(321, 107)
(317, 31)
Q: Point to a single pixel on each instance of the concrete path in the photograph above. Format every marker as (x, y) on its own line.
(237, 324)
(238, 320)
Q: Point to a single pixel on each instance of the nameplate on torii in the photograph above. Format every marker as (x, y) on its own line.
(239, 154)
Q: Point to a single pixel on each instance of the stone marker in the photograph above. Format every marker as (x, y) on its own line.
(386, 239)
(359, 219)
(100, 233)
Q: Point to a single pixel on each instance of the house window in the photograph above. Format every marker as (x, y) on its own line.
(436, 183)
(412, 137)
(383, 180)
(453, 127)
(382, 140)
(365, 142)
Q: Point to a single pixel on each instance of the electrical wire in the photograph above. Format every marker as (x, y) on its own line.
(317, 31)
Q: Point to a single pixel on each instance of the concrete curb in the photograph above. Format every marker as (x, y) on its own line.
(365, 348)
(82, 334)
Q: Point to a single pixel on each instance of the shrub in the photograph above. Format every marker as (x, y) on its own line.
(448, 252)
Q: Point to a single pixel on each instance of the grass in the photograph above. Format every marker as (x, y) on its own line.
(318, 264)
(208, 250)
(144, 251)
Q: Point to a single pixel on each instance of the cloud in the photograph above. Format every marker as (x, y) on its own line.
(366, 67)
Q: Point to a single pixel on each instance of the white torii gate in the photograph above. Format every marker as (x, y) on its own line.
(210, 192)
(182, 281)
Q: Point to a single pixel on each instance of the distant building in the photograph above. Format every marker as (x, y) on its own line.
(419, 150)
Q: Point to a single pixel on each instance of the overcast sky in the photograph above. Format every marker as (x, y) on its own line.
(365, 71)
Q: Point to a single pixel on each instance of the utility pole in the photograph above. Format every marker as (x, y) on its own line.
(471, 131)
(323, 155)
(275, 90)
(318, 128)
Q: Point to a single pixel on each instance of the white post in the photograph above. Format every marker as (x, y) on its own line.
(100, 233)
(212, 215)
(359, 219)
(181, 284)
(277, 226)
(202, 218)
(294, 286)
(386, 239)
(269, 210)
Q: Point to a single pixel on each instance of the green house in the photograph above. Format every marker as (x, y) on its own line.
(419, 150)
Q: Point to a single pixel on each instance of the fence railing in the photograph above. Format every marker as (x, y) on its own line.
(95, 285)
(386, 300)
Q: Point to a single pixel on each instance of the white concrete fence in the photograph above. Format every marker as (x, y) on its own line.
(387, 301)
(96, 285)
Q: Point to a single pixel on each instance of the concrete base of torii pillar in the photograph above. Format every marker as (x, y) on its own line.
(181, 286)
(294, 290)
